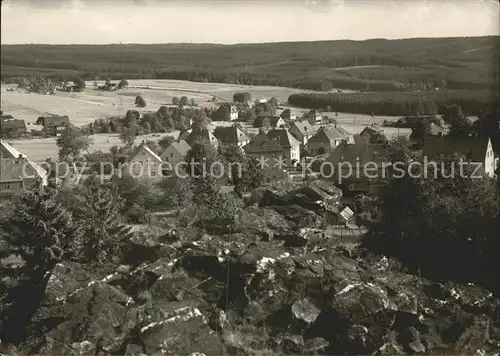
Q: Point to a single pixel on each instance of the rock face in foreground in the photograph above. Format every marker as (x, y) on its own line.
(241, 293)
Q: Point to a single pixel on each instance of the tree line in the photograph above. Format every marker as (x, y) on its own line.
(473, 102)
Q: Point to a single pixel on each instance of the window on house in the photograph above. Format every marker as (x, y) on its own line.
(171, 155)
(153, 174)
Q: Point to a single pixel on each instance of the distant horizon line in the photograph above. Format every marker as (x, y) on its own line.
(244, 43)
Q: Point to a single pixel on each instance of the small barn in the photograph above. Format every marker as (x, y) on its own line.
(10, 126)
(53, 124)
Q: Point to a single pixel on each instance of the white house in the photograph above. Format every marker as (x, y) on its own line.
(143, 163)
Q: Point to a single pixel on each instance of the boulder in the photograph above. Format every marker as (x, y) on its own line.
(318, 195)
(304, 310)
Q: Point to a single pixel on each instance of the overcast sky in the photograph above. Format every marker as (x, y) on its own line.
(233, 21)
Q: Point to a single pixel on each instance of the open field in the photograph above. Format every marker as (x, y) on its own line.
(84, 107)
(39, 149)
(221, 91)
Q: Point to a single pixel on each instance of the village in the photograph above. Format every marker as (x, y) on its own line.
(260, 129)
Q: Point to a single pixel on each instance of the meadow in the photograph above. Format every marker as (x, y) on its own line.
(84, 107)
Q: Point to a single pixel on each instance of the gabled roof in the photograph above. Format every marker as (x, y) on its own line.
(304, 127)
(182, 147)
(8, 151)
(342, 130)
(8, 122)
(144, 146)
(472, 148)
(328, 134)
(373, 129)
(283, 138)
(9, 155)
(262, 144)
(52, 120)
(201, 135)
(275, 120)
(230, 134)
(360, 152)
(287, 113)
(260, 120)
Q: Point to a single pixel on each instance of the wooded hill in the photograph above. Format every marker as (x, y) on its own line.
(373, 65)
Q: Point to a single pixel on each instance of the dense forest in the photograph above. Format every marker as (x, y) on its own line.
(473, 102)
(372, 65)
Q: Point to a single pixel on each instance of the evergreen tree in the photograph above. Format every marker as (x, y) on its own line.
(42, 233)
(104, 235)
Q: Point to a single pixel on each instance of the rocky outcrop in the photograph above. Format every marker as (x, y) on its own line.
(248, 296)
(306, 206)
(317, 196)
(274, 281)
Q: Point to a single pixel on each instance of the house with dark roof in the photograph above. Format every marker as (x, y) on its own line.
(326, 139)
(226, 112)
(290, 144)
(231, 136)
(200, 134)
(374, 133)
(302, 131)
(16, 171)
(267, 121)
(359, 167)
(53, 124)
(143, 163)
(314, 117)
(176, 152)
(288, 115)
(476, 150)
(10, 126)
(269, 154)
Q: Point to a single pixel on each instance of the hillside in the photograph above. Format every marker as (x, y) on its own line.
(378, 64)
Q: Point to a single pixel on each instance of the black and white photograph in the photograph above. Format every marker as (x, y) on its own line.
(250, 177)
